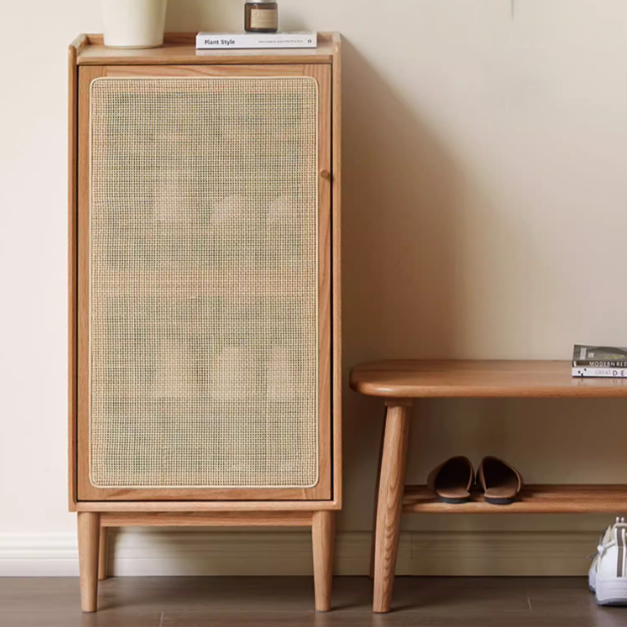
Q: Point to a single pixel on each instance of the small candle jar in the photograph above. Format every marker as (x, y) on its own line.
(262, 16)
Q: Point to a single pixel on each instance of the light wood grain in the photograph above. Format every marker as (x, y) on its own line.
(180, 48)
(322, 490)
(86, 76)
(205, 506)
(79, 44)
(376, 496)
(72, 251)
(322, 75)
(88, 492)
(534, 499)
(88, 545)
(323, 542)
(103, 554)
(200, 71)
(204, 519)
(479, 379)
(336, 252)
(390, 501)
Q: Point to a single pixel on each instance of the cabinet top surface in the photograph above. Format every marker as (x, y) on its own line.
(479, 379)
(180, 49)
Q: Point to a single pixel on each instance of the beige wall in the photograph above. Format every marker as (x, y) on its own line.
(484, 216)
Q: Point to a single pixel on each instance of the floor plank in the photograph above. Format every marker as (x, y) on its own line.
(283, 601)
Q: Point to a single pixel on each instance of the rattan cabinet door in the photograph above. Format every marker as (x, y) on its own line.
(204, 285)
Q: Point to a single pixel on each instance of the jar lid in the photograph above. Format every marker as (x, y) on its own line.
(260, 1)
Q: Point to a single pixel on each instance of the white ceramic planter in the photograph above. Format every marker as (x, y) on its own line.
(133, 23)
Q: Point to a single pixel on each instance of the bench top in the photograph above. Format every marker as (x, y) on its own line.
(408, 379)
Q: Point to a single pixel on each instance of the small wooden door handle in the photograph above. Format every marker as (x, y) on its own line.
(325, 174)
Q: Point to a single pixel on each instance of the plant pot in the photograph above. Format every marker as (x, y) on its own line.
(133, 23)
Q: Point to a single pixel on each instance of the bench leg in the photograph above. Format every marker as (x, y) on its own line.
(390, 502)
(323, 540)
(376, 497)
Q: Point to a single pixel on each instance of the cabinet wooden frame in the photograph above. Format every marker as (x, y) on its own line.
(322, 64)
(315, 508)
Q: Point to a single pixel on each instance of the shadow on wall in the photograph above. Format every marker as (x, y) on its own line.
(399, 225)
(420, 240)
(400, 213)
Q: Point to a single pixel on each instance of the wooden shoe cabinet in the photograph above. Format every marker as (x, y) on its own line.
(204, 292)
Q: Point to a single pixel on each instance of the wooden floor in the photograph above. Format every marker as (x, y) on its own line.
(282, 602)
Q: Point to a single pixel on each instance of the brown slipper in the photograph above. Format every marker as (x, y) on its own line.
(452, 480)
(500, 482)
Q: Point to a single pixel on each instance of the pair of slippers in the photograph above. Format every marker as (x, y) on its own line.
(453, 481)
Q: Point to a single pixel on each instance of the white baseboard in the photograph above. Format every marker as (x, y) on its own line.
(157, 552)
(38, 555)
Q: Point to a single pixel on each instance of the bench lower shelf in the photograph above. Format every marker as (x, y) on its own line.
(534, 499)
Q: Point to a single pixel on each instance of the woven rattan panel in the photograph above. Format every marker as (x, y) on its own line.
(203, 282)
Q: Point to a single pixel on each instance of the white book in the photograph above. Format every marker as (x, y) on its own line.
(586, 371)
(225, 41)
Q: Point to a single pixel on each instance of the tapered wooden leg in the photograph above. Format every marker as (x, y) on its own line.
(376, 498)
(103, 555)
(390, 503)
(323, 540)
(88, 545)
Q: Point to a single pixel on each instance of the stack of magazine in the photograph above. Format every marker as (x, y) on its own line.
(599, 361)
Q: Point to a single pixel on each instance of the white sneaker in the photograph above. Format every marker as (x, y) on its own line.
(608, 574)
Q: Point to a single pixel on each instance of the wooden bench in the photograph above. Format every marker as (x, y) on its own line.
(400, 383)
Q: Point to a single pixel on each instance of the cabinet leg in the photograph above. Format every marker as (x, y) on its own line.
(323, 541)
(103, 555)
(88, 544)
(390, 503)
